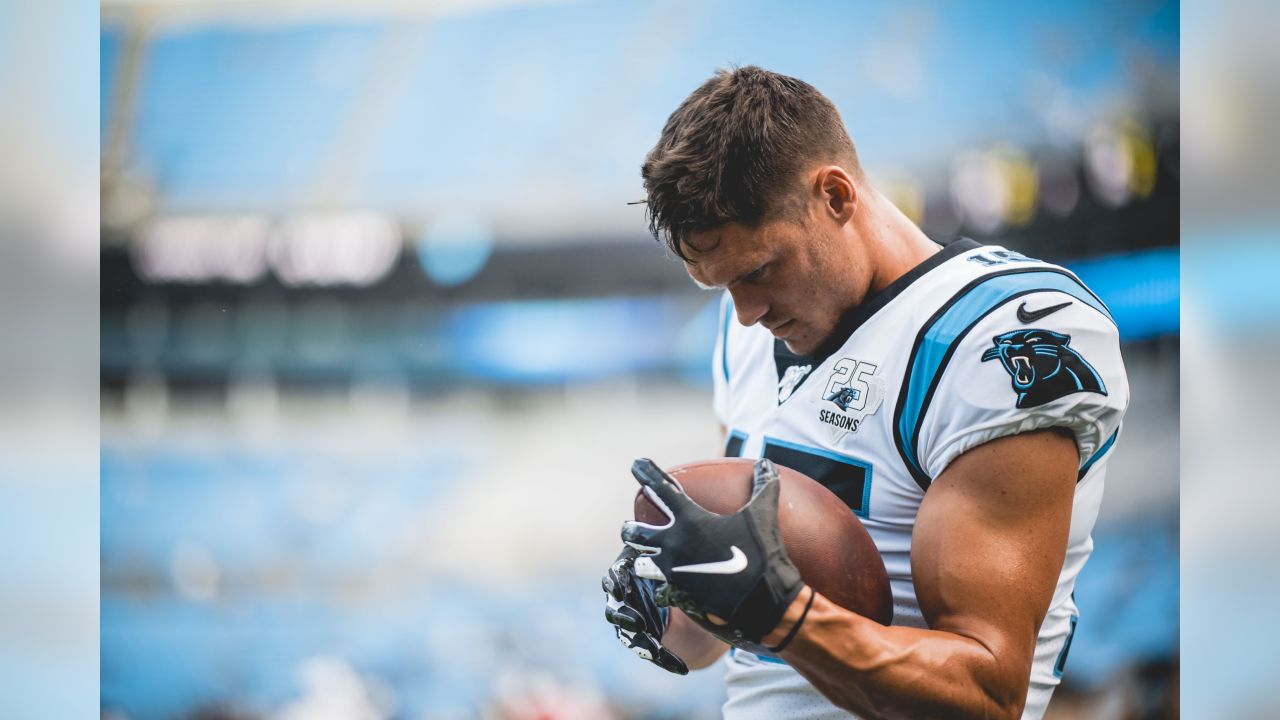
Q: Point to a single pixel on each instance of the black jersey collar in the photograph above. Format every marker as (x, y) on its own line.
(863, 311)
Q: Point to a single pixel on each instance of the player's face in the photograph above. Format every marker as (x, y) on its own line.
(790, 276)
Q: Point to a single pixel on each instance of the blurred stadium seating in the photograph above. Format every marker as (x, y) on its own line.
(381, 334)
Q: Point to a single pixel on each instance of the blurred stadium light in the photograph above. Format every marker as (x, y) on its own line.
(196, 249)
(454, 248)
(1121, 163)
(348, 249)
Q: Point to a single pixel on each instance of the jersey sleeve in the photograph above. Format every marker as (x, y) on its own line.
(1041, 359)
(720, 361)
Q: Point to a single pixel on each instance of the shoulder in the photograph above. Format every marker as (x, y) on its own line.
(1018, 345)
(991, 277)
(991, 286)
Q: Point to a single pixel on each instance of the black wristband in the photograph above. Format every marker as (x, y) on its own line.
(791, 634)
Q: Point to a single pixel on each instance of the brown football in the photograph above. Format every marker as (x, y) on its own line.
(823, 537)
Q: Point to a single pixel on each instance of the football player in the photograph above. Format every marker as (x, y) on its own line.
(962, 399)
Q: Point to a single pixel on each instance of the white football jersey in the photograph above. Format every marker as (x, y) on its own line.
(976, 343)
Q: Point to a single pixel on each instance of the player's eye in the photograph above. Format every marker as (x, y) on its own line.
(756, 274)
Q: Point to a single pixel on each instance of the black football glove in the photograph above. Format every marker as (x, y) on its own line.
(631, 607)
(731, 566)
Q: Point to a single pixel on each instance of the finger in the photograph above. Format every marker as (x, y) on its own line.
(637, 642)
(617, 580)
(625, 618)
(643, 537)
(632, 641)
(671, 662)
(661, 489)
(646, 646)
(613, 586)
(649, 570)
(765, 488)
(763, 473)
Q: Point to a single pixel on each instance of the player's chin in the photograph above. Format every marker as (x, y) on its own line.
(798, 339)
(800, 344)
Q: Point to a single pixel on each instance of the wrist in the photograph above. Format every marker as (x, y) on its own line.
(794, 614)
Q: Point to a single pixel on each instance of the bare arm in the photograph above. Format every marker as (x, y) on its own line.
(697, 647)
(989, 542)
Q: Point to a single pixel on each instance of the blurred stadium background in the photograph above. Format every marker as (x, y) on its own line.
(381, 335)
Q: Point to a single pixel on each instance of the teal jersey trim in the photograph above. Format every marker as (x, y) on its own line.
(725, 315)
(734, 442)
(733, 651)
(1084, 469)
(942, 334)
(846, 476)
(1060, 664)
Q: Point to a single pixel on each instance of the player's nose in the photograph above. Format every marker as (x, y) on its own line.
(749, 310)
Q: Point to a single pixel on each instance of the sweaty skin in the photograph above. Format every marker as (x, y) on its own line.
(989, 541)
(991, 534)
(798, 275)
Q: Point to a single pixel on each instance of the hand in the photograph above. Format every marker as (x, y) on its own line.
(631, 607)
(731, 571)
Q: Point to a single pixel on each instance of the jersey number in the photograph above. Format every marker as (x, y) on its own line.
(991, 258)
(848, 477)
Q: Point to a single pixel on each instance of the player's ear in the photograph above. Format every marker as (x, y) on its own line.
(837, 191)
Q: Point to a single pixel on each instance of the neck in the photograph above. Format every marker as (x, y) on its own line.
(894, 242)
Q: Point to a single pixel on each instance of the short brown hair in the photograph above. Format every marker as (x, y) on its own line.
(729, 152)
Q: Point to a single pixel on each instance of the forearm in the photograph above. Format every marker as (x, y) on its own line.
(697, 647)
(899, 672)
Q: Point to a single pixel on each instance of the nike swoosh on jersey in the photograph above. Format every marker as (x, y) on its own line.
(1029, 317)
(735, 564)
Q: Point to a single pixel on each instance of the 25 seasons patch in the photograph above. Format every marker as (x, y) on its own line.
(851, 394)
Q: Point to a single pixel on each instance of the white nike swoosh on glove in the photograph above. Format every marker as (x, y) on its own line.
(735, 564)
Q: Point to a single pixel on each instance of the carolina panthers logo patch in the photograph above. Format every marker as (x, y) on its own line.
(1043, 366)
(843, 397)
